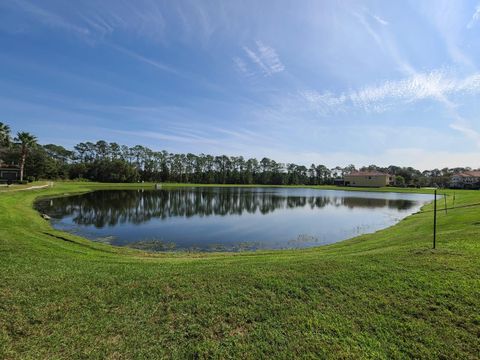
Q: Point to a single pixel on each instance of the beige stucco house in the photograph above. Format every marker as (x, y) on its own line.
(466, 180)
(368, 179)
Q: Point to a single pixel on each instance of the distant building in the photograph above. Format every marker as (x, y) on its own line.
(368, 179)
(466, 180)
(9, 173)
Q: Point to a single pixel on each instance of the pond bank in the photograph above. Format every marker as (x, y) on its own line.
(382, 295)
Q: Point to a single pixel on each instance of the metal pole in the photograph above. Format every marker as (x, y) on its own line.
(445, 197)
(435, 219)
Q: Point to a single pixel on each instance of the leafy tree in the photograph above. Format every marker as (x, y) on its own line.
(107, 170)
(399, 180)
(102, 149)
(59, 153)
(102, 161)
(26, 141)
(40, 164)
(115, 150)
(348, 169)
(4, 135)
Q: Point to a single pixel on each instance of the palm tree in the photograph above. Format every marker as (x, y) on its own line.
(26, 141)
(4, 135)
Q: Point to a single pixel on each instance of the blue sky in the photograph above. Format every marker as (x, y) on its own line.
(362, 82)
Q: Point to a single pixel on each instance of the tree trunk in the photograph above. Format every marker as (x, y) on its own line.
(22, 163)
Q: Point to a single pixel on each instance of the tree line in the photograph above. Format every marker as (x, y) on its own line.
(111, 162)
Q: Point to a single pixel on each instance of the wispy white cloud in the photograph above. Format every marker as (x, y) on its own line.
(466, 129)
(146, 60)
(93, 22)
(436, 85)
(380, 20)
(203, 19)
(242, 66)
(93, 25)
(244, 135)
(362, 19)
(324, 103)
(168, 137)
(448, 17)
(265, 58)
(50, 18)
(256, 59)
(270, 58)
(385, 39)
(475, 17)
(215, 140)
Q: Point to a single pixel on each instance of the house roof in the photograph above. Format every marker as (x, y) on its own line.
(469, 174)
(9, 167)
(367, 173)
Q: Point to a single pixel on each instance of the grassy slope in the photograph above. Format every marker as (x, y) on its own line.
(385, 295)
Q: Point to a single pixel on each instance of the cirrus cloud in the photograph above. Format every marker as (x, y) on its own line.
(436, 85)
(262, 59)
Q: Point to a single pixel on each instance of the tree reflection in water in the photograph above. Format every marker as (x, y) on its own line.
(112, 207)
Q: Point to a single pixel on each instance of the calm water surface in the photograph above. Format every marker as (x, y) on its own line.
(227, 218)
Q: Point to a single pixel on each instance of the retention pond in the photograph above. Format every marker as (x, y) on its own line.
(227, 218)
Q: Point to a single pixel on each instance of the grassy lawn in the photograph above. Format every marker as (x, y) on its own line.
(384, 295)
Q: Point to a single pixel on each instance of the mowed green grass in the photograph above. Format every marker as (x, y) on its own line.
(384, 295)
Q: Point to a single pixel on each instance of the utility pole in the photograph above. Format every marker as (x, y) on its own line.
(435, 219)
